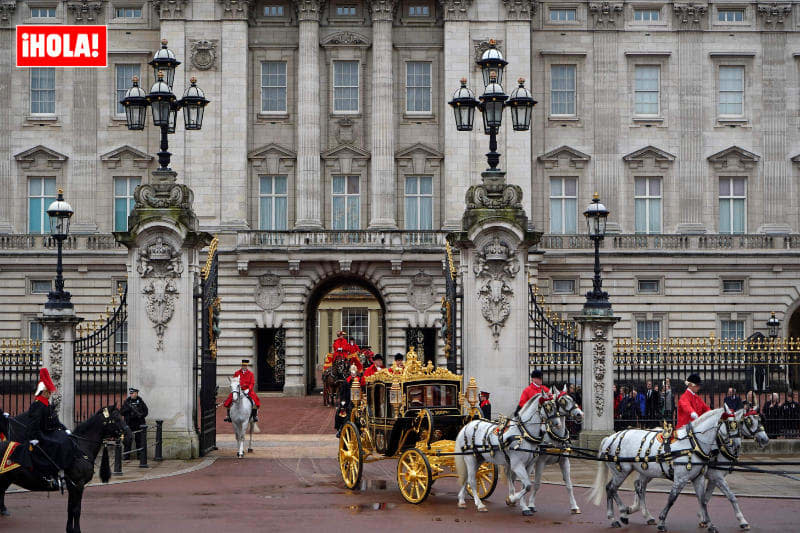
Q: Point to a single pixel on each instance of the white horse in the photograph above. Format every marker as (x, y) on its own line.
(641, 450)
(241, 410)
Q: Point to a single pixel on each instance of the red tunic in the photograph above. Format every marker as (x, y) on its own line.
(341, 345)
(688, 404)
(371, 370)
(247, 382)
(530, 391)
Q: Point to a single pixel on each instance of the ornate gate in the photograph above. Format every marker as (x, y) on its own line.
(209, 333)
(450, 312)
(555, 345)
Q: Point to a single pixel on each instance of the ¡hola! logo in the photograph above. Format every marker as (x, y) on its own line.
(62, 46)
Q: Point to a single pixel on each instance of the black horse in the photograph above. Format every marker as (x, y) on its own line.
(107, 423)
(332, 379)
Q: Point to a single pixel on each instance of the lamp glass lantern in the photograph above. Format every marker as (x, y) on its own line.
(396, 397)
(472, 393)
(492, 61)
(164, 61)
(492, 102)
(355, 390)
(193, 104)
(521, 103)
(60, 213)
(135, 104)
(173, 117)
(773, 325)
(161, 100)
(464, 104)
(596, 215)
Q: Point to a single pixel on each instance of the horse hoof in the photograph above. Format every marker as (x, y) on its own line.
(527, 512)
(509, 502)
(702, 525)
(624, 520)
(713, 529)
(615, 523)
(483, 510)
(651, 522)
(575, 511)
(662, 528)
(249, 450)
(462, 505)
(745, 527)
(4, 512)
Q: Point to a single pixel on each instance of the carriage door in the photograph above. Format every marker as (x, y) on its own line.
(271, 359)
(424, 342)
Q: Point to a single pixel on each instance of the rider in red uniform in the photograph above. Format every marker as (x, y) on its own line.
(533, 389)
(247, 384)
(691, 406)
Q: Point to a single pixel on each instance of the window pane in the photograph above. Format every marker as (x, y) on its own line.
(412, 214)
(724, 187)
(724, 215)
(411, 185)
(556, 216)
(738, 216)
(280, 184)
(738, 186)
(570, 216)
(556, 185)
(570, 186)
(563, 286)
(338, 184)
(266, 185)
(281, 213)
(352, 212)
(273, 86)
(655, 215)
(640, 215)
(34, 215)
(120, 214)
(352, 184)
(426, 213)
(338, 207)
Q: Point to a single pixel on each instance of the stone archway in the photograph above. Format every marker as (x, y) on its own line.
(793, 332)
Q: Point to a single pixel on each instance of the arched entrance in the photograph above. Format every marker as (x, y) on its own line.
(793, 332)
(349, 303)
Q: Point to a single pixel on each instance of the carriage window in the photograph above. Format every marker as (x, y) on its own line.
(432, 396)
(379, 403)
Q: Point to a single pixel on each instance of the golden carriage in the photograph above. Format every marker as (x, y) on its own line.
(412, 414)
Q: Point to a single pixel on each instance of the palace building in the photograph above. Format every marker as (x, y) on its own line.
(330, 168)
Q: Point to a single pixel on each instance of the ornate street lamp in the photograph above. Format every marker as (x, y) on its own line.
(597, 299)
(773, 326)
(135, 103)
(60, 213)
(464, 104)
(492, 61)
(164, 61)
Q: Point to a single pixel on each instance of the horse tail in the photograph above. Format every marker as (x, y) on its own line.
(600, 479)
(461, 465)
(105, 467)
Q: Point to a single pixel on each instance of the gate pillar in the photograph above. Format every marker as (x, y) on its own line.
(58, 356)
(163, 244)
(493, 243)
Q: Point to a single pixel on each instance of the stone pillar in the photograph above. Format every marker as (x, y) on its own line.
(58, 356)
(163, 245)
(382, 184)
(6, 68)
(494, 244)
(308, 190)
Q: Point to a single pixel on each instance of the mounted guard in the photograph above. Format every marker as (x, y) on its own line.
(691, 405)
(247, 384)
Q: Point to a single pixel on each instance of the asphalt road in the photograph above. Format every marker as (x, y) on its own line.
(307, 495)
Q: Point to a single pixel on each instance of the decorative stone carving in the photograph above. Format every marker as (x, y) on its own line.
(308, 9)
(269, 294)
(496, 265)
(56, 333)
(520, 9)
(421, 293)
(168, 9)
(574, 158)
(455, 9)
(236, 9)
(774, 13)
(86, 10)
(56, 356)
(479, 47)
(159, 259)
(161, 195)
(159, 263)
(599, 367)
(494, 193)
(349, 38)
(52, 159)
(344, 132)
(661, 158)
(383, 10)
(738, 156)
(690, 12)
(606, 14)
(204, 53)
(160, 306)
(7, 8)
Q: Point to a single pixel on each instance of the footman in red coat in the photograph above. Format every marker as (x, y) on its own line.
(247, 384)
(691, 406)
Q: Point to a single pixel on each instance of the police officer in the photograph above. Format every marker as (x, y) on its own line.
(134, 410)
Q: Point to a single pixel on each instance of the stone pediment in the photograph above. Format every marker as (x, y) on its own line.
(733, 156)
(28, 158)
(417, 156)
(572, 158)
(796, 159)
(272, 158)
(637, 159)
(345, 38)
(114, 158)
(342, 158)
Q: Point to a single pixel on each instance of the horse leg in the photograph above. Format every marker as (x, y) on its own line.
(677, 487)
(250, 445)
(613, 496)
(5, 482)
(726, 490)
(74, 508)
(707, 486)
(563, 462)
(538, 468)
(641, 495)
(472, 469)
(521, 473)
(700, 488)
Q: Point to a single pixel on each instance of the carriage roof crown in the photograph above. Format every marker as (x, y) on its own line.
(413, 370)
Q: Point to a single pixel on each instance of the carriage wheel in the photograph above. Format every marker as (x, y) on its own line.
(351, 461)
(486, 479)
(414, 476)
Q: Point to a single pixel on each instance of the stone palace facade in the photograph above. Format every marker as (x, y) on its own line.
(329, 156)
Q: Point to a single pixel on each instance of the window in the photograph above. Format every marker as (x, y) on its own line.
(346, 203)
(273, 86)
(419, 202)
(648, 286)
(647, 198)
(416, 10)
(41, 286)
(418, 87)
(124, 75)
(731, 329)
(730, 15)
(646, 15)
(35, 331)
(563, 205)
(43, 12)
(355, 322)
(562, 90)
(346, 11)
(43, 91)
(123, 201)
(733, 286)
(41, 193)
(647, 89)
(121, 338)
(129, 12)
(345, 86)
(732, 205)
(272, 203)
(563, 286)
(120, 287)
(731, 91)
(560, 15)
(648, 329)
(273, 11)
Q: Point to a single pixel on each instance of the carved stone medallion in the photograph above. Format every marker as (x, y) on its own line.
(204, 54)
(479, 47)
(269, 294)
(421, 293)
(159, 263)
(495, 267)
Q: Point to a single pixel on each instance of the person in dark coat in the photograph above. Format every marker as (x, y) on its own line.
(486, 406)
(652, 402)
(732, 400)
(134, 410)
(772, 413)
(791, 416)
(668, 409)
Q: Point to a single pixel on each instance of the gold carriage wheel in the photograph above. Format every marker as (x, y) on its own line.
(414, 476)
(351, 461)
(486, 479)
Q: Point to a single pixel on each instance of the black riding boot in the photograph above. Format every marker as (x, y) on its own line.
(228, 418)
(254, 414)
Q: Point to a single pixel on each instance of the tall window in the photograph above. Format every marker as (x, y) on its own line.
(647, 89)
(731, 329)
(563, 205)
(35, 331)
(129, 12)
(646, 15)
(562, 90)
(345, 86)
(273, 11)
(272, 203)
(731, 90)
(43, 91)
(647, 197)
(560, 15)
(418, 87)
(41, 193)
(355, 322)
(419, 202)
(732, 205)
(648, 329)
(123, 201)
(43, 12)
(730, 15)
(346, 203)
(124, 73)
(273, 86)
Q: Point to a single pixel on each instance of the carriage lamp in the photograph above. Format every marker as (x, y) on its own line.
(355, 390)
(396, 396)
(773, 326)
(472, 393)
(60, 212)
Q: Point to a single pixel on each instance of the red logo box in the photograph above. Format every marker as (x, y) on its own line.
(62, 46)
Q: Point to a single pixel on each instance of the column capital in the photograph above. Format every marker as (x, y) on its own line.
(309, 9)
(455, 9)
(86, 11)
(520, 9)
(236, 9)
(169, 9)
(7, 8)
(383, 10)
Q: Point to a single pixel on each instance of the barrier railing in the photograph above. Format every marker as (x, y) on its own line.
(122, 450)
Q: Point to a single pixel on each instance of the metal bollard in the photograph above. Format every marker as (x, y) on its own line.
(158, 456)
(117, 459)
(143, 448)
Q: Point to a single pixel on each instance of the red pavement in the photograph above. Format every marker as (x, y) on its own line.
(287, 416)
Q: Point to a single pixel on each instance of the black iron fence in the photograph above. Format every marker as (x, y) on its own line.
(20, 360)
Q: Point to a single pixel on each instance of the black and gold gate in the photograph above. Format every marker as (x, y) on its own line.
(450, 313)
(209, 333)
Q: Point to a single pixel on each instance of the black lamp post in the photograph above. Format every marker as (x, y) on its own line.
(60, 213)
(163, 102)
(492, 102)
(773, 326)
(597, 299)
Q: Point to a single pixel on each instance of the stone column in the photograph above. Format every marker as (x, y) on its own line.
(382, 184)
(58, 356)
(308, 190)
(6, 68)
(163, 245)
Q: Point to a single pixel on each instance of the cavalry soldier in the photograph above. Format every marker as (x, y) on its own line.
(691, 406)
(533, 389)
(377, 364)
(247, 384)
(486, 407)
(134, 410)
